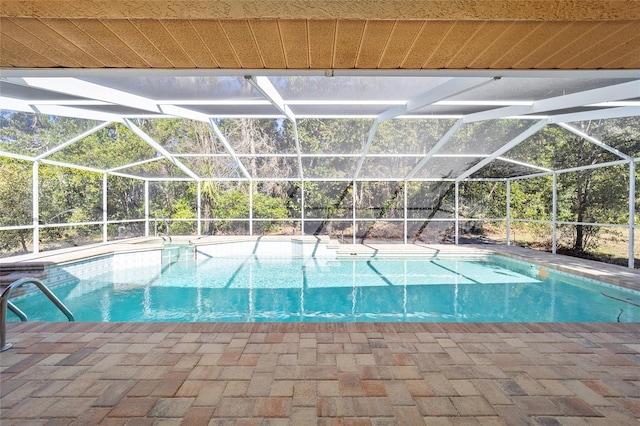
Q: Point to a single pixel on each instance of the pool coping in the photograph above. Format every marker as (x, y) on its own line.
(18, 266)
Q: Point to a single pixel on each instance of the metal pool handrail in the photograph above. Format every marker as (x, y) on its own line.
(4, 299)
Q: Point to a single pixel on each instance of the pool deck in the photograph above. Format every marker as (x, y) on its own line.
(327, 373)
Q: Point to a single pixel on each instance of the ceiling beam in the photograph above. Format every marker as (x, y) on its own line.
(269, 91)
(506, 147)
(73, 140)
(73, 112)
(223, 140)
(449, 88)
(595, 141)
(600, 114)
(434, 150)
(603, 94)
(160, 149)
(86, 89)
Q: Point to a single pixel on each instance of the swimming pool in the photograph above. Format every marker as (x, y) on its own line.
(255, 288)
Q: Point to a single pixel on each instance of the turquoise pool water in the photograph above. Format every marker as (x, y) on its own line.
(242, 289)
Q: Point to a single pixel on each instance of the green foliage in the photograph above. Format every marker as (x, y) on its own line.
(269, 207)
(183, 210)
(15, 203)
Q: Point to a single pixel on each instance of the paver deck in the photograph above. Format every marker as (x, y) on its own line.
(325, 374)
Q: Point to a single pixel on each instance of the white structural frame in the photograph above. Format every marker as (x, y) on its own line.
(71, 83)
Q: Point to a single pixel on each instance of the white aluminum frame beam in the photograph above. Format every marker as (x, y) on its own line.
(453, 86)
(594, 141)
(223, 140)
(16, 156)
(137, 163)
(268, 90)
(632, 213)
(74, 140)
(432, 152)
(73, 112)
(35, 205)
(603, 94)
(80, 88)
(600, 114)
(155, 145)
(71, 166)
(14, 104)
(506, 147)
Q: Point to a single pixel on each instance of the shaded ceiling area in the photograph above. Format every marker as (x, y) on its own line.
(315, 34)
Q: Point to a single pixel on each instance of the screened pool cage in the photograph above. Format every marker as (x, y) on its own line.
(544, 159)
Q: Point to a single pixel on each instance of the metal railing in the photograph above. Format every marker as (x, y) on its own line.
(4, 304)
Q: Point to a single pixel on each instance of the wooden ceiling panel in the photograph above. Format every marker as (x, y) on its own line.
(241, 38)
(85, 42)
(402, 38)
(37, 44)
(190, 42)
(54, 42)
(159, 36)
(615, 50)
(295, 42)
(18, 51)
(478, 44)
(303, 34)
(138, 42)
(267, 36)
(453, 41)
(516, 42)
(113, 43)
(510, 35)
(374, 41)
(565, 45)
(632, 57)
(216, 42)
(348, 43)
(322, 36)
(541, 51)
(610, 36)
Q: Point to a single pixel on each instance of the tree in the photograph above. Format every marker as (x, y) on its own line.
(15, 203)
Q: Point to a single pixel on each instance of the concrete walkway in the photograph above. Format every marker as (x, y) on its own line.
(325, 374)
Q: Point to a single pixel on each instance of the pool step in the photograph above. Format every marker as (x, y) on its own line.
(395, 250)
(10, 272)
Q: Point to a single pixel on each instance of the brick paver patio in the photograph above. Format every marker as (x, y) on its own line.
(325, 374)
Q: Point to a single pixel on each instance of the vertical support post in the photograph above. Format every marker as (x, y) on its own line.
(457, 215)
(302, 213)
(353, 211)
(35, 206)
(199, 208)
(508, 212)
(632, 213)
(405, 212)
(554, 219)
(105, 233)
(251, 207)
(146, 208)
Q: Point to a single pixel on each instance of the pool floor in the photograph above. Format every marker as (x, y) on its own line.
(325, 374)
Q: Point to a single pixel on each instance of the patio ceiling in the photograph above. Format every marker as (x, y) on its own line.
(321, 34)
